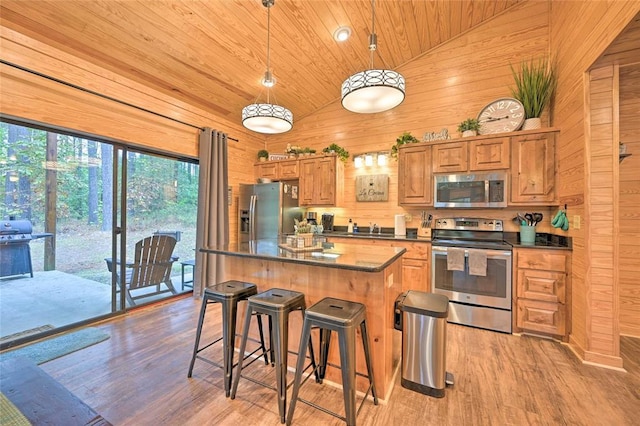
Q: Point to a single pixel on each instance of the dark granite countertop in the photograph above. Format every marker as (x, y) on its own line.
(543, 240)
(335, 255)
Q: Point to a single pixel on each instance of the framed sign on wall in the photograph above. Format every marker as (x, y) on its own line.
(372, 188)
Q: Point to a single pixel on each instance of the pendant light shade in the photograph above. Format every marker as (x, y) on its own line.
(267, 117)
(373, 90)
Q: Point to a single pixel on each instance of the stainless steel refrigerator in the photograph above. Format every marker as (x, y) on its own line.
(266, 210)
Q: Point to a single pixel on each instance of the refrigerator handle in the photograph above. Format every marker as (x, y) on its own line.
(252, 217)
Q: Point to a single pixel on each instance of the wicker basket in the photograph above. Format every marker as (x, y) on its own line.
(308, 239)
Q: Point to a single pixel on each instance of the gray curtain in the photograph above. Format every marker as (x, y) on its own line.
(212, 228)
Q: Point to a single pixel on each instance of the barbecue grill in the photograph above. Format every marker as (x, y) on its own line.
(15, 251)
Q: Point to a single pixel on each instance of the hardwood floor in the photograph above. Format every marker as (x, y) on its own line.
(139, 377)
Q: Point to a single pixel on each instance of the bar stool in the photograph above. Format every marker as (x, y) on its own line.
(343, 317)
(277, 304)
(228, 293)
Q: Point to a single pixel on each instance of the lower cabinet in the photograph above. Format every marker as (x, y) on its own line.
(416, 262)
(543, 291)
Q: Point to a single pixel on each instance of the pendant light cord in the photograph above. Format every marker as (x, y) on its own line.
(373, 38)
(268, 46)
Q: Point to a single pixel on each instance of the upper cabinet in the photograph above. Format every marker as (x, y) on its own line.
(474, 155)
(533, 169)
(277, 170)
(528, 157)
(321, 181)
(415, 182)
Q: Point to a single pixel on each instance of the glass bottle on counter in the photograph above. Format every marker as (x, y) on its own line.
(350, 227)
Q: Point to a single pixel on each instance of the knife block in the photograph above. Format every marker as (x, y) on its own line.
(424, 232)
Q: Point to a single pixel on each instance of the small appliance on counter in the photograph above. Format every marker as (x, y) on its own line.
(327, 222)
(312, 218)
(400, 229)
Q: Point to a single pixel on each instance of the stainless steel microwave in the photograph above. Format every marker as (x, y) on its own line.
(471, 190)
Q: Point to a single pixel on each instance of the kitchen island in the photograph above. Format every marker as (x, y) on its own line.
(365, 274)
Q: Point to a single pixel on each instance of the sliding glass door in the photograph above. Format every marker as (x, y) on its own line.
(72, 212)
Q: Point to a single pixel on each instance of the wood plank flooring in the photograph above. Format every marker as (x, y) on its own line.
(139, 377)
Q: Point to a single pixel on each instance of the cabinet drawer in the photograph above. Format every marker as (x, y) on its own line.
(542, 259)
(544, 286)
(544, 317)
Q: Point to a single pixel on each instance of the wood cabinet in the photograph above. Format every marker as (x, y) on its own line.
(450, 157)
(533, 169)
(321, 181)
(543, 292)
(489, 154)
(416, 262)
(415, 181)
(474, 155)
(277, 170)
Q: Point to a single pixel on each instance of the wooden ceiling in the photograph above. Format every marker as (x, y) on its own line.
(212, 54)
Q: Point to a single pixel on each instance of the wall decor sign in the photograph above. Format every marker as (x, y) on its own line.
(439, 136)
(278, 156)
(372, 188)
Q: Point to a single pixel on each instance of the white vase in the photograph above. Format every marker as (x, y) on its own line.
(532, 124)
(468, 133)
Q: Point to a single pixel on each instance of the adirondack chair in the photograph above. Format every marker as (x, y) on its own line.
(151, 267)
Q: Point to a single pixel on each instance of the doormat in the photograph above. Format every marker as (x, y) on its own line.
(56, 347)
(25, 333)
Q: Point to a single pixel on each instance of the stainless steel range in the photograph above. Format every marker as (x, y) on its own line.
(471, 265)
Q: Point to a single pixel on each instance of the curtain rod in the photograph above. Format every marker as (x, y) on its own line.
(92, 92)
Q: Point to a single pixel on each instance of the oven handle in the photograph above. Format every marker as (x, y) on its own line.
(490, 252)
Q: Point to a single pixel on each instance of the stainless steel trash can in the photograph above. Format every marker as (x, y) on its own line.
(422, 317)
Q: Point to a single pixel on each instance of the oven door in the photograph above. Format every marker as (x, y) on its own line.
(492, 290)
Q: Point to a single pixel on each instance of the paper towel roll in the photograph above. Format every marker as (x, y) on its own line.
(400, 226)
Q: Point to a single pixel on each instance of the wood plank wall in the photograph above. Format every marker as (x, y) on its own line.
(629, 202)
(37, 99)
(444, 87)
(576, 45)
(601, 203)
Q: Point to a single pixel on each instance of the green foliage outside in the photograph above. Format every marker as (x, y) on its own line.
(162, 194)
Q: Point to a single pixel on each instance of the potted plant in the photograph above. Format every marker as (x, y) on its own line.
(343, 154)
(535, 85)
(263, 155)
(469, 127)
(304, 229)
(404, 138)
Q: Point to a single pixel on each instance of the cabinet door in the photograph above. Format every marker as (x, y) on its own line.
(288, 169)
(307, 182)
(266, 170)
(533, 169)
(414, 176)
(450, 157)
(415, 275)
(492, 154)
(325, 182)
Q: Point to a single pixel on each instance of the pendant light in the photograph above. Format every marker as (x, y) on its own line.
(373, 90)
(267, 117)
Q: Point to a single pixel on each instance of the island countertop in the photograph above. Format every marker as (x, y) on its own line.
(343, 256)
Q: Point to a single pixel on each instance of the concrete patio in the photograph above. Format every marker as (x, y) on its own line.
(57, 299)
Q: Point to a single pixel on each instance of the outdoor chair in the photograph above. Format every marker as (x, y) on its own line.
(151, 268)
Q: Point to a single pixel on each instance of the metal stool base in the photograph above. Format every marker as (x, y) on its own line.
(228, 294)
(344, 318)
